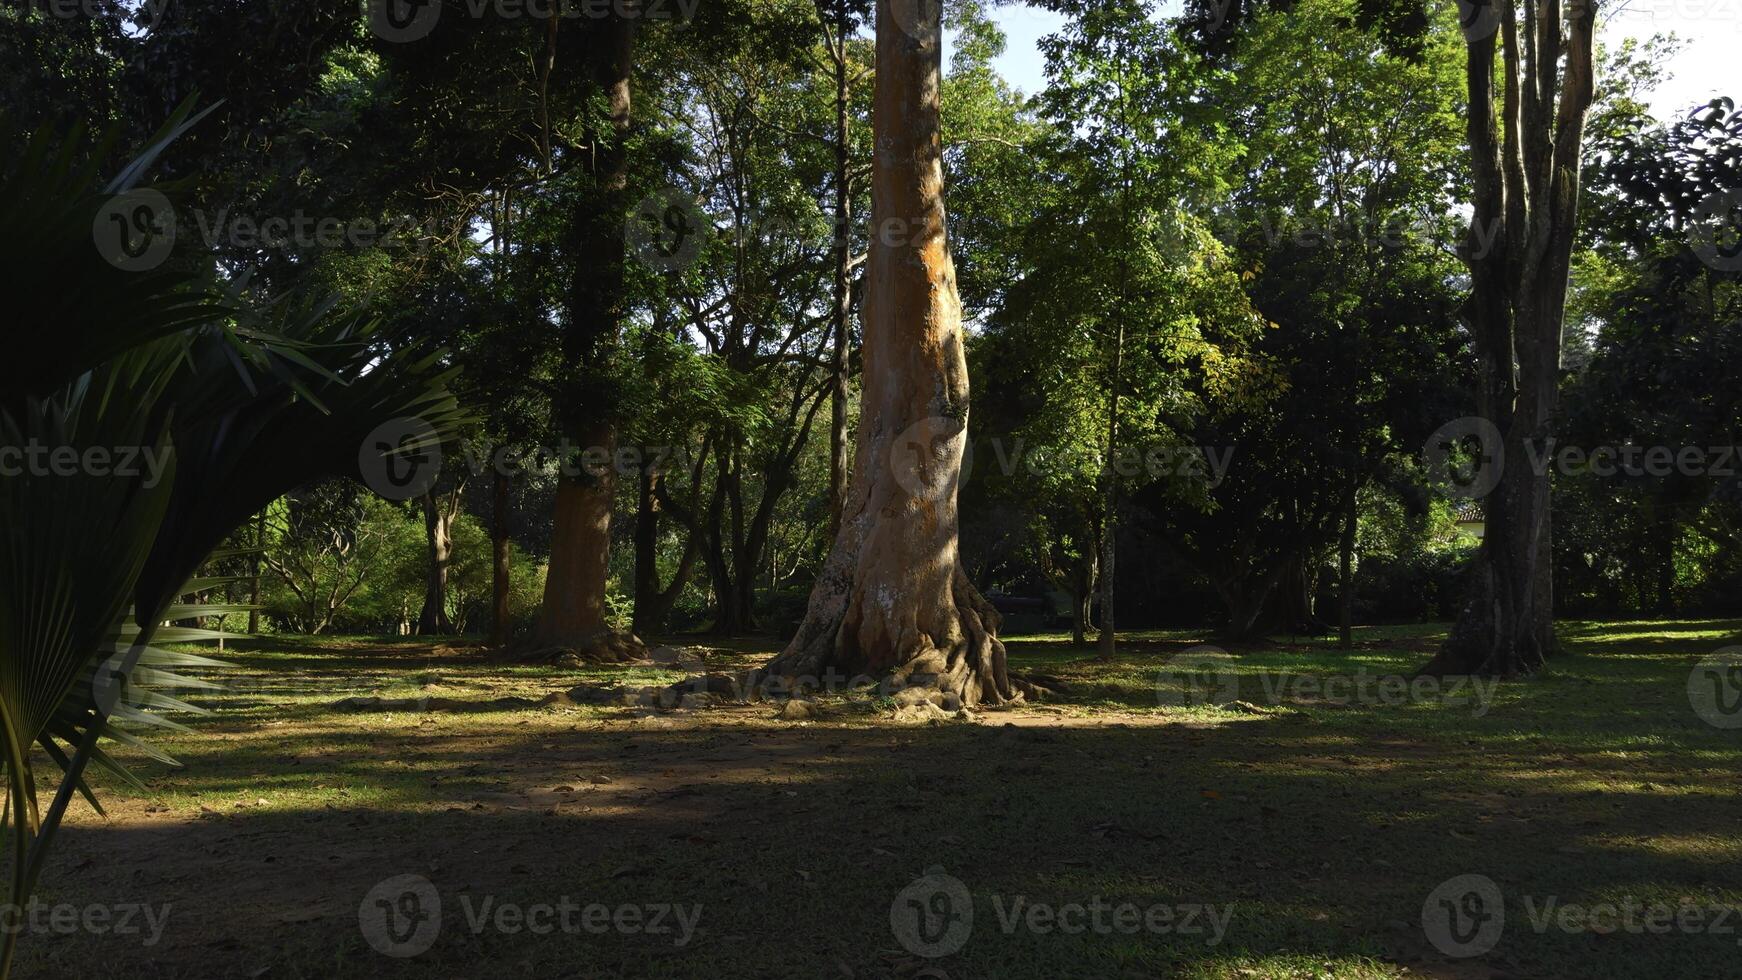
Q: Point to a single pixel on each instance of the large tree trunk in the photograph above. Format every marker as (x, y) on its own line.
(1526, 180)
(571, 621)
(893, 600)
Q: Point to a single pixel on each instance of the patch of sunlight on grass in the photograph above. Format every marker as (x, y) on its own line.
(1295, 967)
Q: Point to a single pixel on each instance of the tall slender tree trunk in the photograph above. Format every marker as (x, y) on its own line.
(1525, 164)
(572, 618)
(1346, 573)
(254, 574)
(439, 511)
(501, 563)
(1106, 644)
(893, 599)
(839, 459)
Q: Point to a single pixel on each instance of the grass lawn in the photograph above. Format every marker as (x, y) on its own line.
(1309, 828)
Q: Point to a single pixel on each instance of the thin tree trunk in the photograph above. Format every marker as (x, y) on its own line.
(1106, 644)
(653, 604)
(254, 574)
(439, 512)
(839, 459)
(1346, 574)
(502, 569)
(893, 598)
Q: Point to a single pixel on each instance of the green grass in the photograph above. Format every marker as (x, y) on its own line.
(1324, 824)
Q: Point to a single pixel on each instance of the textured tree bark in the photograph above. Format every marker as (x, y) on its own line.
(1526, 180)
(893, 600)
(839, 458)
(1106, 645)
(439, 511)
(571, 621)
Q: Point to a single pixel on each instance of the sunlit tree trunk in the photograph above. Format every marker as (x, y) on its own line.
(893, 599)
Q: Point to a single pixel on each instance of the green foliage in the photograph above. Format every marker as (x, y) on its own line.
(237, 402)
